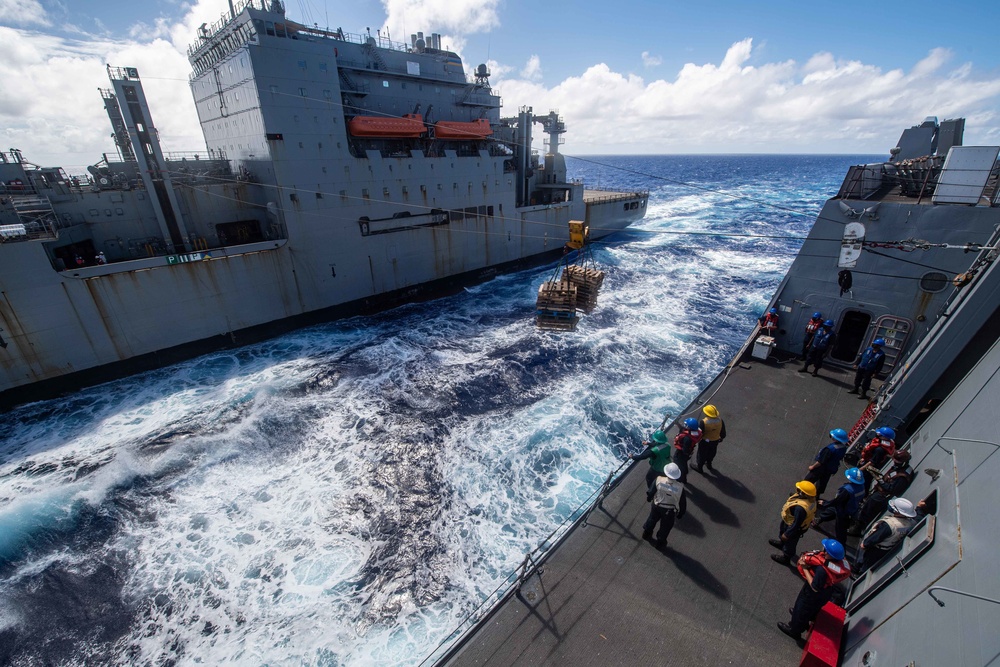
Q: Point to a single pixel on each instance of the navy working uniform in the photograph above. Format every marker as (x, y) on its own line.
(827, 461)
(796, 515)
(822, 570)
(844, 506)
(812, 326)
(713, 432)
(821, 343)
(668, 503)
(870, 364)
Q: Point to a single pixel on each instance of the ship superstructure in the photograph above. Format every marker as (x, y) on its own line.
(342, 173)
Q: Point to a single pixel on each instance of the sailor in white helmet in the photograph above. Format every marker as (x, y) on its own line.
(668, 503)
(886, 534)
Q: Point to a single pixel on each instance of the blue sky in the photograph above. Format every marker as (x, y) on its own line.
(628, 76)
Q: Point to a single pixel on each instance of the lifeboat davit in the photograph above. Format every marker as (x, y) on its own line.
(454, 129)
(409, 126)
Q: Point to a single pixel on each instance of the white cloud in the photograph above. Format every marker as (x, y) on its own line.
(650, 60)
(459, 17)
(825, 104)
(23, 13)
(532, 70)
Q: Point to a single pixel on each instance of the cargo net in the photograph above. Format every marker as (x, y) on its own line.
(560, 300)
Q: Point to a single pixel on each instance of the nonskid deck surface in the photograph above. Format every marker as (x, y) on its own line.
(713, 597)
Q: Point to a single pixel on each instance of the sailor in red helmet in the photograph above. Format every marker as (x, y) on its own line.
(822, 570)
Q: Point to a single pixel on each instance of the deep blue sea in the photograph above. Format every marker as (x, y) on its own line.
(349, 494)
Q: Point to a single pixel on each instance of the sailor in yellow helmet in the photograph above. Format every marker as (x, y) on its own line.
(796, 514)
(713, 432)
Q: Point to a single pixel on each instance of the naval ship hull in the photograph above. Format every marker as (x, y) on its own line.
(322, 192)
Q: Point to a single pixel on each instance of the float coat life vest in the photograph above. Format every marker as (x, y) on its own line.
(695, 436)
(668, 493)
(878, 442)
(857, 492)
(770, 321)
(822, 339)
(900, 527)
(795, 500)
(836, 570)
(712, 430)
(837, 451)
(812, 326)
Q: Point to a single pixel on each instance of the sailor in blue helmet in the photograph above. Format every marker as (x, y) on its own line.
(869, 365)
(844, 506)
(812, 326)
(827, 461)
(822, 342)
(823, 570)
(769, 322)
(684, 444)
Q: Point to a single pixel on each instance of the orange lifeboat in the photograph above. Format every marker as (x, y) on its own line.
(409, 126)
(453, 129)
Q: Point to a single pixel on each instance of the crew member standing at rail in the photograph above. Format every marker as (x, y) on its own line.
(844, 506)
(827, 461)
(822, 570)
(821, 343)
(886, 534)
(658, 452)
(713, 432)
(869, 365)
(684, 444)
(769, 322)
(796, 515)
(812, 326)
(666, 495)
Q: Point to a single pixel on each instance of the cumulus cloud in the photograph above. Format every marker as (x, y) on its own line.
(826, 104)
(23, 13)
(649, 60)
(456, 17)
(532, 71)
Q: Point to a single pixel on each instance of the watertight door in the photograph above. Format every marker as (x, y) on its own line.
(895, 330)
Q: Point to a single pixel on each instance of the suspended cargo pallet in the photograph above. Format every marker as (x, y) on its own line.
(555, 308)
(587, 282)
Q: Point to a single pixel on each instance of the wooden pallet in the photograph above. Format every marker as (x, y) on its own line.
(588, 283)
(555, 307)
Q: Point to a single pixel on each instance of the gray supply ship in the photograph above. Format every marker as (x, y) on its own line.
(906, 251)
(343, 174)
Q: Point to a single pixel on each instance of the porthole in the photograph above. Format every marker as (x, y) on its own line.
(933, 282)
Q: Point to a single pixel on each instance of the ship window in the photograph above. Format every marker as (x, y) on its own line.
(385, 192)
(302, 64)
(107, 212)
(364, 192)
(319, 195)
(302, 92)
(933, 282)
(269, 28)
(294, 197)
(405, 190)
(322, 67)
(343, 194)
(139, 127)
(94, 212)
(279, 29)
(273, 88)
(489, 211)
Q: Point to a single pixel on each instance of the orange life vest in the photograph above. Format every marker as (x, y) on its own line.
(878, 441)
(695, 436)
(813, 325)
(836, 570)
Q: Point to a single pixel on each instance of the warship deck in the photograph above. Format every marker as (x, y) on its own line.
(713, 596)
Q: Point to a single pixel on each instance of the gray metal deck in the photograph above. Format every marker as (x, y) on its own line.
(606, 597)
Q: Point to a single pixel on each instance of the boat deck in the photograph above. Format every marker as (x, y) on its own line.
(713, 596)
(595, 196)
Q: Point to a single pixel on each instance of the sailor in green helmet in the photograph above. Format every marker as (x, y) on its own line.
(658, 452)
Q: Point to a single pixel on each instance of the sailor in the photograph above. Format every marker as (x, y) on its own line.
(769, 322)
(844, 506)
(822, 570)
(886, 534)
(892, 484)
(658, 452)
(877, 453)
(869, 365)
(827, 461)
(812, 326)
(796, 515)
(79, 260)
(821, 343)
(101, 259)
(713, 432)
(667, 504)
(684, 444)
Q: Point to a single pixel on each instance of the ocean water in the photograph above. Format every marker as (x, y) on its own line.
(350, 494)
